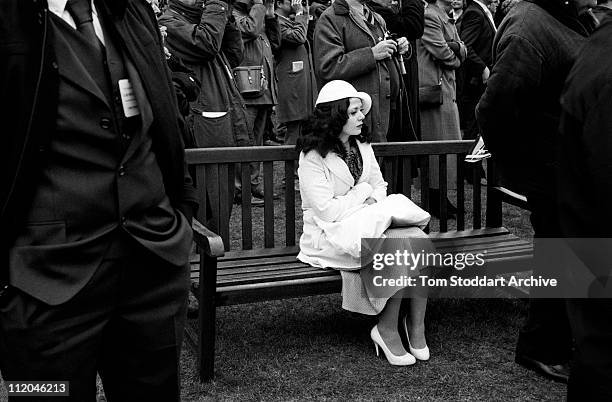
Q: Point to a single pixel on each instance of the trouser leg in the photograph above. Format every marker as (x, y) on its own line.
(39, 342)
(142, 344)
(294, 130)
(546, 335)
(258, 116)
(127, 323)
(591, 372)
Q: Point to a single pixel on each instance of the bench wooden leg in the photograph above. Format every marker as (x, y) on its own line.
(206, 329)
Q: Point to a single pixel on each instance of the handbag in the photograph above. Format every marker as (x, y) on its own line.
(431, 96)
(250, 80)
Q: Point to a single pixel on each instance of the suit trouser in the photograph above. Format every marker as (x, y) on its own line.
(546, 336)
(591, 374)
(126, 323)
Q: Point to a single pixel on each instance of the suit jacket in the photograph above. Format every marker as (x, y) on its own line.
(329, 193)
(477, 33)
(29, 81)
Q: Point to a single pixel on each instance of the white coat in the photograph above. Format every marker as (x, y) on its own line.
(329, 193)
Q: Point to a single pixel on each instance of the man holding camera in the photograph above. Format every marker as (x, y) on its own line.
(294, 68)
(352, 44)
(261, 35)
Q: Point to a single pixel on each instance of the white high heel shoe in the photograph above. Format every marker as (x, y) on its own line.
(405, 360)
(421, 354)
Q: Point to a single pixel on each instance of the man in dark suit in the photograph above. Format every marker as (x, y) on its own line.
(584, 175)
(96, 200)
(477, 31)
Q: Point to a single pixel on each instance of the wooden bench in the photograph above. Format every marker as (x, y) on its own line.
(268, 269)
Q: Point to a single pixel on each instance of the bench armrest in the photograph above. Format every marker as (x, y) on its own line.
(209, 242)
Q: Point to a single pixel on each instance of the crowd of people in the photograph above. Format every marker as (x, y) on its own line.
(102, 97)
(259, 87)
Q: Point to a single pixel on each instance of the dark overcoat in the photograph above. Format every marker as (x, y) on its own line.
(518, 114)
(296, 83)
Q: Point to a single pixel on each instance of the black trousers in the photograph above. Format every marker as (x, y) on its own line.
(127, 324)
(546, 336)
(591, 372)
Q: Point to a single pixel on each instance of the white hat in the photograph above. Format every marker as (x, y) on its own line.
(338, 89)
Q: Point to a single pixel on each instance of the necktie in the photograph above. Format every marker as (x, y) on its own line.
(367, 15)
(81, 13)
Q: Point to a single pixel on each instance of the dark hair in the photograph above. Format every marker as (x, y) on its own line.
(322, 130)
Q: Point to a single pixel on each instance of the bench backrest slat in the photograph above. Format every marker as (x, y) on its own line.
(443, 188)
(224, 206)
(215, 170)
(212, 182)
(247, 214)
(407, 175)
(476, 189)
(388, 170)
(268, 174)
(460, 192)
(200, 174)
(290, 203)
(424, 177)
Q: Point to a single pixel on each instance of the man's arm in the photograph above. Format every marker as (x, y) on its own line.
(251, 25)
(196, 43)
(434, 42)
(511, 89)
(410, 21)
(273, 32)
(293, 33)
(471, 27)
(232, 47)
(331, 60)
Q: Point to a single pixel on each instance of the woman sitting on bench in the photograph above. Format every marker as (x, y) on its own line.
(342, 190)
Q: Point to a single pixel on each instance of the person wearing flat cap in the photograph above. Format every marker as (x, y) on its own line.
(340, 177)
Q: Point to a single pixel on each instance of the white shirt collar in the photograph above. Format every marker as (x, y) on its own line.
(57, 6)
